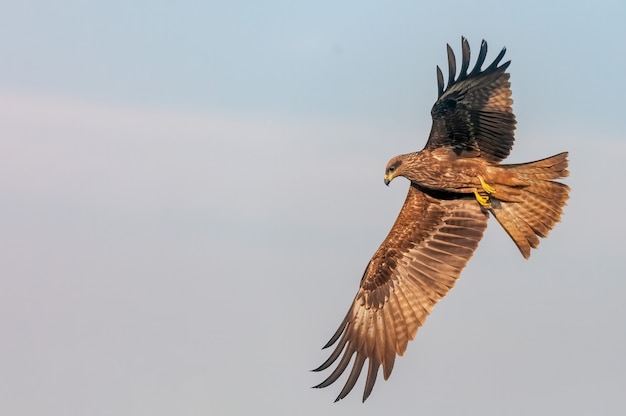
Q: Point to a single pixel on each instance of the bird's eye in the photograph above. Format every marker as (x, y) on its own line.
(391, 169)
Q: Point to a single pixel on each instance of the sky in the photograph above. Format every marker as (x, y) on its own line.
(190, 192)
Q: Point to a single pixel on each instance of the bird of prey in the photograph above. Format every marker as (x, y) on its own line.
(456, 181)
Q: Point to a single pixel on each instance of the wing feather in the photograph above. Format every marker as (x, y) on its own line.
(465, 50)
(474, 111)
(354, 375)
(417, 264)
(481, 57)
(451, 66)
(439, 81)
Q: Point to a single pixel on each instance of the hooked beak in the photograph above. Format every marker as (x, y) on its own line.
(388, 179)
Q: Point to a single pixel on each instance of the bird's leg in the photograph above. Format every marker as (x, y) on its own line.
(484, 200)
(489, 189)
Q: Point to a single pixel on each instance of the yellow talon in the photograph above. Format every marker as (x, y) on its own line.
(482, 199)
(489, 189)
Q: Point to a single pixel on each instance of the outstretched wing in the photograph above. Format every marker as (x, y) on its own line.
(417, 264)
(474, 111)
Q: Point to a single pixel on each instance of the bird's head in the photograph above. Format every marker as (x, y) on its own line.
(394, 168)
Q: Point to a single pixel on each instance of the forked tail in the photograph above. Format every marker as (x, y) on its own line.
(537, 205)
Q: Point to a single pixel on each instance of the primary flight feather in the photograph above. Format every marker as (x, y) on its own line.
(455, 182)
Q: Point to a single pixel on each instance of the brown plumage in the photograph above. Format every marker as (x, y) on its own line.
(456, 181)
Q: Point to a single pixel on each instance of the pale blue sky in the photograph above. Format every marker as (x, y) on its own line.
(189, 194)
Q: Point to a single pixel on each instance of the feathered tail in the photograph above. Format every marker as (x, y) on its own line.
(532, 209)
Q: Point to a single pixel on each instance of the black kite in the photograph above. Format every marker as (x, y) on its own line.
(456, 181)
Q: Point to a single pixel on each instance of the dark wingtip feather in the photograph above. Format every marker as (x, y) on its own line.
(337, 372)
(481, 58)
(465, 51)
(338, 332)
(496, 61)
(353, 377)
(322, 367)
(451, 66)
(330, 342)
(333, 357)
(372, 372)
(328, 362)
(439, 82)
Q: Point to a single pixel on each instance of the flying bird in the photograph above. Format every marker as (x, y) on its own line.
(456, 181)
